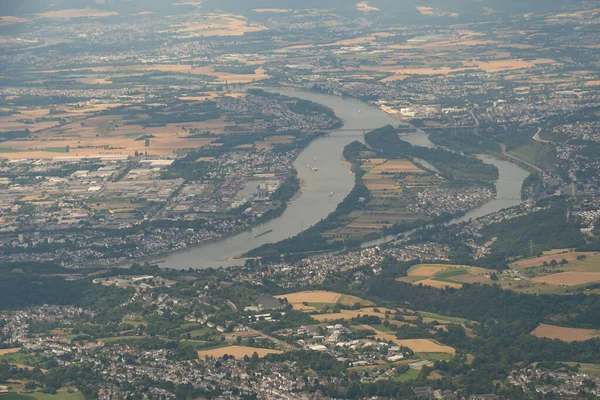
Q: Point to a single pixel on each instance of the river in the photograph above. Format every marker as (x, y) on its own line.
(315, 201)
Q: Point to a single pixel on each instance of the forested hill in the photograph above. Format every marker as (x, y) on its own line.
(403, 11)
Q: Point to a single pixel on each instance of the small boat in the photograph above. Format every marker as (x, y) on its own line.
(331, 194)
(359, 111)
(312, 167)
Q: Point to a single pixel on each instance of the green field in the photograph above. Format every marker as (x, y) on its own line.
(434, 356)
(56, 149)
(383, 328)
(540, 154)
(14, 396)
(9, 150)
(442, 318)
(120, 338)
(446, 275)
(320, 306)
(135, 322)
(410, 375)
(592, 369)
(200, 332)
(18, 358)
(61, 395)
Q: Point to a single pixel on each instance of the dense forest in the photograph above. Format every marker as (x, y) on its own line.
(463, 140)
(535, 232)
(20, 290)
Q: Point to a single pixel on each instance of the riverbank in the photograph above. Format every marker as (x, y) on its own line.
(315, 202)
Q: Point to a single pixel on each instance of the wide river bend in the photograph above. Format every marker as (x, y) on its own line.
(333, 175)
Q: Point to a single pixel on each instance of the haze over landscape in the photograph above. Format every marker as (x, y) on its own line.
(277, 199)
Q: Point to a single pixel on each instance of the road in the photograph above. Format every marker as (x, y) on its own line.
(475, 118)
(537, 137)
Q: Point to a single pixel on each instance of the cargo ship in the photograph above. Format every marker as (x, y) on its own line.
(263, 234)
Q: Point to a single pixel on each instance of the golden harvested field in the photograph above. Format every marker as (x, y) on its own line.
(160, 145)
(425, 10)
(435, 12)
(505, 65)
(271, 10)
(592, 83)
(349, 314)
(218, 25)
(439, 284)
(8, 19)
(397, 166)
(471, 278)
(488, 66)
(379, 183)
(565, 334)
(569, 278)
(93, 81)
(259, 73)
(76, 13)
(428, 269)
(425, 346)
(9, 351)
(426, 275)
(365, 7)
(377, 178)
(311, 296)
(236, 351)
(358, 40)
(539, 261)
(349, 300)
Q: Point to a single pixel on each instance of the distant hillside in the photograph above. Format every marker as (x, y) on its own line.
(392, 11)
(125, 7)
(406, 11)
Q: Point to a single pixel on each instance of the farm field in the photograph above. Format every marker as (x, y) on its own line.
(365, 7)
(9, 351)
(61, 395)
(421, 346)
(90, 130)
(349, 314)
(565, 334)
(76, 13)
(315, 299)
(390, 183)
(442, 275)
(569, 278)
(425, 346)
(592, 369)
(409, 375)
(591, 259)
(18, 358)
(429, 317)
(223, 24)
(580, 270)
(236, 351)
